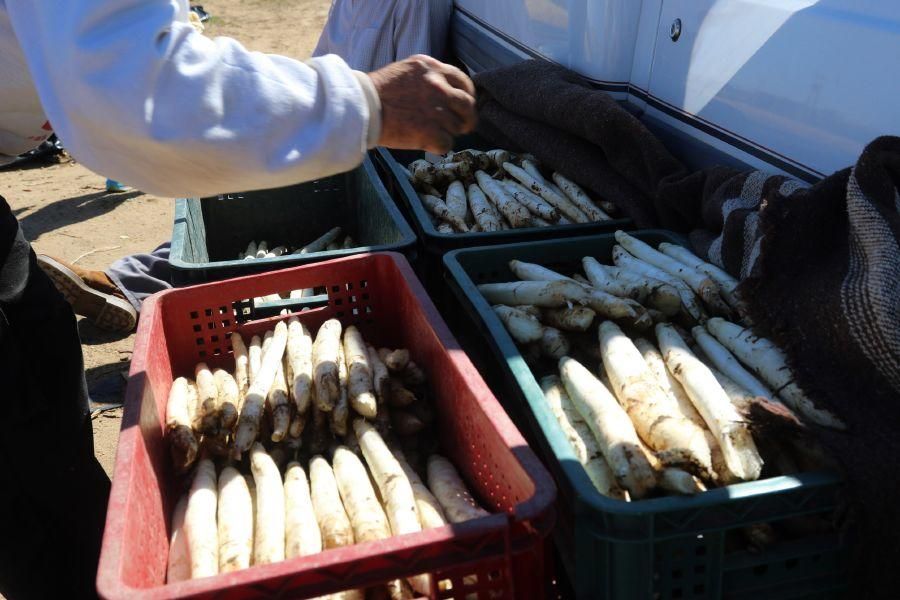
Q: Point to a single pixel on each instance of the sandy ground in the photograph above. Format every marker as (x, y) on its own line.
(65, 211)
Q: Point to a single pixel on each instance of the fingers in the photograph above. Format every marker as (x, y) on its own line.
(458, 79)
(441, 142)
(463, 106)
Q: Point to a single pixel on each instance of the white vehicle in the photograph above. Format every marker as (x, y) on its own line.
(792, 86)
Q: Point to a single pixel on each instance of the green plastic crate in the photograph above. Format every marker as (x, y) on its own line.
(670, 547)
(209, 232)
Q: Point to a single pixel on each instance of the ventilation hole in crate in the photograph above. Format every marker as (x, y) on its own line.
(363, 284)
(217, 352)
(226, 322)
(353, 299)
(678, 554)
(677, 593)
(208, 312)
(699, 589)
(335, 289)
(355, 312)
(760, 569)
(202, 353)
(676, 574)
(223, 310)
(700, 551)
(349, 286)
(214, 338)
(365, 296)
(194, 314)
(340, 314)
(197, 328)
(791, 563)
(368, 310)
(210, 325)
(338, 301)
(200, 341)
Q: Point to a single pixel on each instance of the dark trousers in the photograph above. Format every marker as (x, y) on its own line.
(53, 493)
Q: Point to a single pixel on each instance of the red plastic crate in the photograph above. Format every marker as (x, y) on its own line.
(378, 292)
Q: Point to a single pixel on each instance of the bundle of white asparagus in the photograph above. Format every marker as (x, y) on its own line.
(666, 410)
(471, 190)
(330, 240)
(326, 242)
(353, 477)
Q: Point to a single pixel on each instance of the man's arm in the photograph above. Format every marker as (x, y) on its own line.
(136, 94)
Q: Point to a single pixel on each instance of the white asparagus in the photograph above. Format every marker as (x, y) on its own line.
(517, 215)
(499, 157)
(268, 542)
(727, 284)
(380, 375)
(360, 385)
(301, 531)
(612, 428)
(450, 490)
(725, 362)
(279, 404)
(179, 559)
(626, 261)
(702, 285)
(710, 400)
(299, 351)
(521, 326)
(427, 506)
(563, 204)
(254, 359)
(241, 366)
(456, 200)
(396, 490)
(577, 318)
(445, 228)
(483, 211)
(580, 199)
(659, 421)
(200, 522)
(580, 437)
(183, 444)
(331, 516)
(554, 344)
(366, 514)
(439, 209)
(602, 302)
(652, 292)
(235, 521)
(320, 243)
(251, 250)
(325, 353)
(547, 294)
(534, 203)
(208, 398)
(340, 414)
(229, 398)
(770, 363)
(262, 249)
(252, 410)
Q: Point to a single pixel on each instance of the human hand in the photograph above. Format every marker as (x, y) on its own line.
(424, 103)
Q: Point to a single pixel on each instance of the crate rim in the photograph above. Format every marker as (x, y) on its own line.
(563, 452)
(537, 513)
(423, 220)
(409, 238)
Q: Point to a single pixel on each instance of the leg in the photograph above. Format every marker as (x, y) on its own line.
(141, 275)
(53, 507)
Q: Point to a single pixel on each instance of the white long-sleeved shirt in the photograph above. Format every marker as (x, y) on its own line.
(370, 34)
(135, 93)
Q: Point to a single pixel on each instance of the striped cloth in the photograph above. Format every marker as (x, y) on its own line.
(821, 275)
(370, 34)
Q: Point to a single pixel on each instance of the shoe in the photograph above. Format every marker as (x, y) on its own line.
(91, 294)
(114, 187)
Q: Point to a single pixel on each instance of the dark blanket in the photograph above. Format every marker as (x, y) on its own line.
(820, 266)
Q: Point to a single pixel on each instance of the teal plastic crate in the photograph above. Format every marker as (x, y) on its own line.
(668, 547)
(209, 232)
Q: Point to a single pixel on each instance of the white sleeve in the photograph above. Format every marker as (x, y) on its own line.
(136, 94)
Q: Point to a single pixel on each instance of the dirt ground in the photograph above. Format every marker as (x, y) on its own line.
(65, 211)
